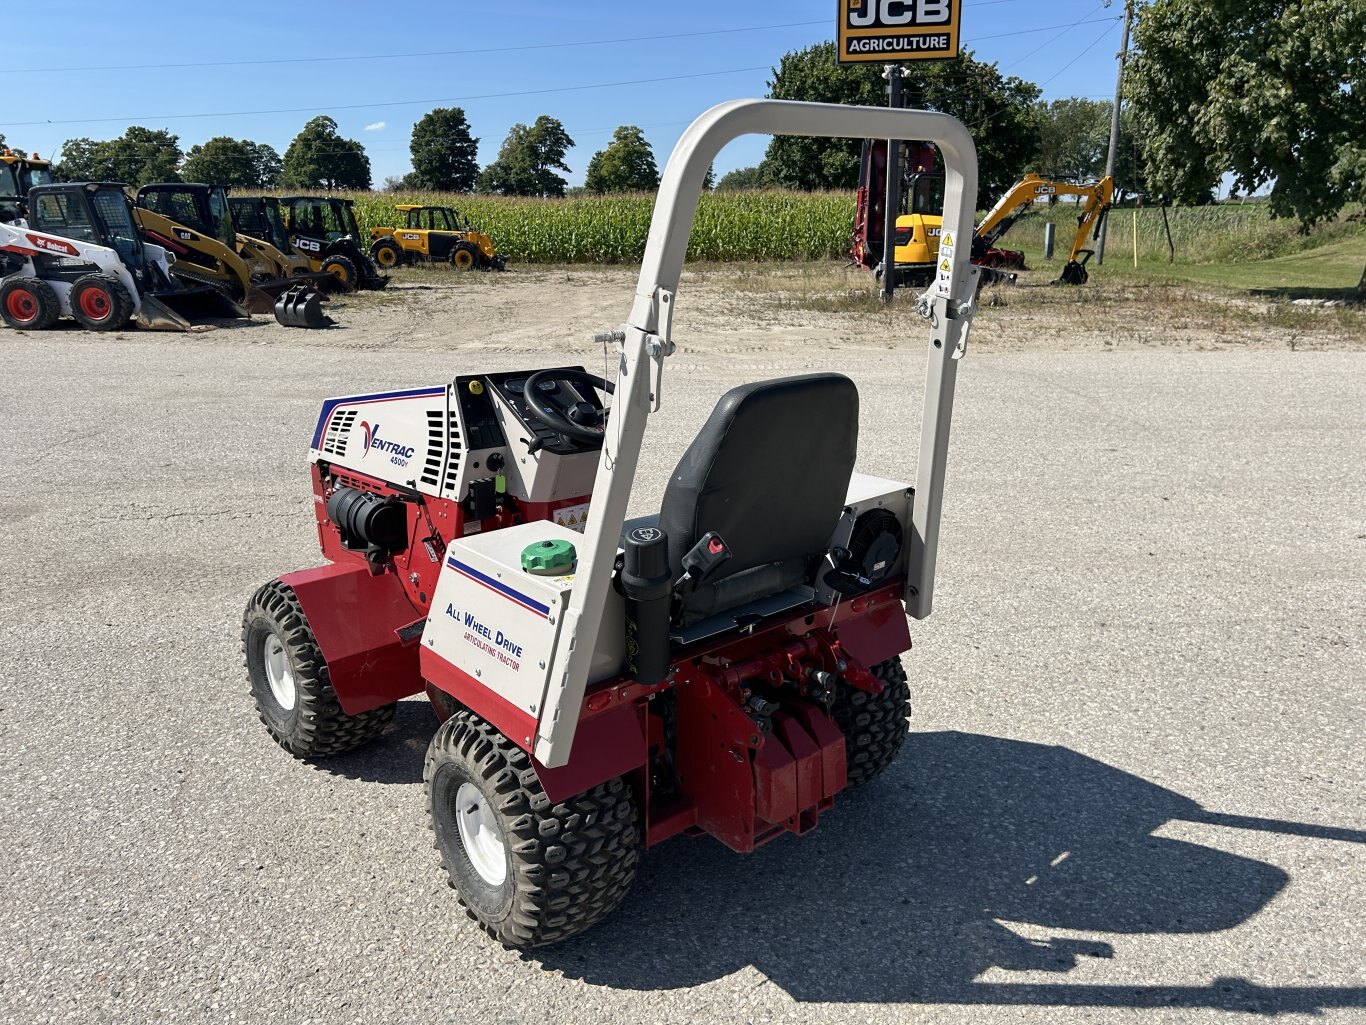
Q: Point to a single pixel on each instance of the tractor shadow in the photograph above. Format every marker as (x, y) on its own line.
(902, 894)
(396, 756)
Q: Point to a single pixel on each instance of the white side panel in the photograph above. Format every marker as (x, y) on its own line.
(497, 623)
(398, 437)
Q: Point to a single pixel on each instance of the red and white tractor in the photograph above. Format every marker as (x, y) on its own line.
(725, 667)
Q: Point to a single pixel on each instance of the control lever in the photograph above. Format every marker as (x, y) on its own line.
(702, 561)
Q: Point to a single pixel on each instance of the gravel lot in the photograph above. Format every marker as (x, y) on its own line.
(1134, 789)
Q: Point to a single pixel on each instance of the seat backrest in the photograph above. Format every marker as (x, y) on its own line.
(769, 472)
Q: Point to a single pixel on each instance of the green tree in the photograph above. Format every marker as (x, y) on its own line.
(744, 178)
(998, 111)
(626, 165)
(227, 161)
(528, 160)
(139, 156)
(1074, 134)
(1273, 91)
(320, 158)
(445, 155)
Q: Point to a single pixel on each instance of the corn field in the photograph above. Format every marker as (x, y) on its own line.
(780, 225)
(771, 225)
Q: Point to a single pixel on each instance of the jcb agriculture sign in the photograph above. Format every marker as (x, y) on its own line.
(898, 30)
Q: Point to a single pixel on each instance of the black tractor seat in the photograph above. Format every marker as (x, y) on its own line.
(769, 473)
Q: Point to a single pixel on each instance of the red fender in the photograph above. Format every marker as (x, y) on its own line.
(356, 619)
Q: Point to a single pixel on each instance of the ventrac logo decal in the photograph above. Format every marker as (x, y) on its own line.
(52, 245)
(398, 454)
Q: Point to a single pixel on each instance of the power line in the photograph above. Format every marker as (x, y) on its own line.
(392, 103)
(442, 53)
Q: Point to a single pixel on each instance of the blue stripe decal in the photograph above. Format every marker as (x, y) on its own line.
(331, 404)
(498, 586)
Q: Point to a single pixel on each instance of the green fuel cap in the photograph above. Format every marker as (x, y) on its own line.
(549, 558)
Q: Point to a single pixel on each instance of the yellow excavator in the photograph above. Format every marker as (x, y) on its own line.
(919, 224)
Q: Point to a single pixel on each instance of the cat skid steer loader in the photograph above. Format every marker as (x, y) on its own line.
(80, 254)
(726, 667)
(196, 223)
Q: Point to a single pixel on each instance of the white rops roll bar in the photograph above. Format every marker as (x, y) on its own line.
(645, 343)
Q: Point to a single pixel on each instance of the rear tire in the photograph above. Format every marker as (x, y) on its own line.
(29, 304)
(344, 270)
(101, 303)
(290, 683)
(529, 872)
(386, 253)
(874, 725)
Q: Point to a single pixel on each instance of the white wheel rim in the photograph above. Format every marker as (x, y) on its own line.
(279, 673)
(480, 834)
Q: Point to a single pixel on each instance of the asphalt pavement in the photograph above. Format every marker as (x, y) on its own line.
(1134, 789)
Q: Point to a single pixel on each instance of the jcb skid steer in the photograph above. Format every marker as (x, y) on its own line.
(80, 254)
(726, 667)
(323, 229)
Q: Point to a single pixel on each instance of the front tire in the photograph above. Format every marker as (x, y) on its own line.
(100, 302)
(529, 872)
(29, 304)
(290, 683)
(344, 270)
(465, 256)
(386, 253)
(874, 725)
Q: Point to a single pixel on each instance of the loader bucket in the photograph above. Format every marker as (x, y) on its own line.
(301, 306)
(153, 315)
(259, 299)
(199, 304)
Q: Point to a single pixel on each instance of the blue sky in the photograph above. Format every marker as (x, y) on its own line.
(88, 72)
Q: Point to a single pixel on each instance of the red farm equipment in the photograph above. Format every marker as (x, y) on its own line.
(726, 667)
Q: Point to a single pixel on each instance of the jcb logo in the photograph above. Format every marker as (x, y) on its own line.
(309, 245)
(1044, 190)
(409, 236)
(898, 13)
(934, 232)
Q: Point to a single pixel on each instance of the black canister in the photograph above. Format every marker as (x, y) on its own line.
(648, 586)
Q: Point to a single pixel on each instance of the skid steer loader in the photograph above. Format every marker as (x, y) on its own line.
(80, 254)
(196, 222)
(434, 233)
(18, 174)
(323, 229)
(725, 667)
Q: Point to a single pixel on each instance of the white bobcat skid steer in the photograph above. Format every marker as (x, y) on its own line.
(725, 668)
(80, 255)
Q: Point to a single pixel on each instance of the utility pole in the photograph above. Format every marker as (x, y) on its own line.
(891, 195)
(1114, 121)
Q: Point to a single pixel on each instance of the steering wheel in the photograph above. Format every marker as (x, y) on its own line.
(585, 421)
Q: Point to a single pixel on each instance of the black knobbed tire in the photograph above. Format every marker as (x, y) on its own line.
(387, 253)
(29, 304)
(344, 270)
(100, 302)
(874, 725)
(290, 684)
(466, 256)
(528, 871)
